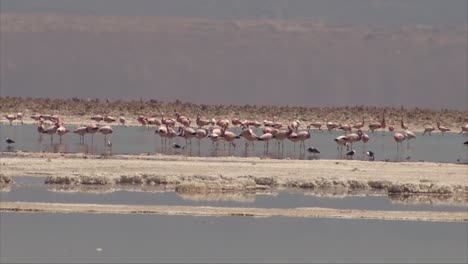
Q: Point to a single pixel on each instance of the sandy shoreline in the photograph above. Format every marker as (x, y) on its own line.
(233, 174)
(305, 212)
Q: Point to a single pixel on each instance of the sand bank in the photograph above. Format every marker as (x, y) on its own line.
(310, 212)
(231, 174)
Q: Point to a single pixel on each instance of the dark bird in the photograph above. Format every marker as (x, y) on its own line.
(9, 141)
(177, 146)
(350, 154)
(370, 155)
(466, 143)
(313, 150)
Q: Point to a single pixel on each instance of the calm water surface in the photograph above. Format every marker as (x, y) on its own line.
(137, 140)
(52, 238)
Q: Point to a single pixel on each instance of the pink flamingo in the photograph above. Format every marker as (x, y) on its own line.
(142, 120)
(81, 131)
(200, 134)
(203, 122)
(428, 130)
(442, 128)
(403, 125)
(51, 131)
(248, 135)
(229, 137)
(122, 121)
(36, 117)
(92, 129)
(109, 119)
(235, 121)
(97, 118)
(341, 141)
(464, 129)
(223, 123)
(61, 130)
(317, 125)
(281, 135)
(331, 126)
(359, 125)
(295, 124)
(10, 118)
(265, 138)
(303, 136)
(398, 137)
(19, 117)
(346, 128)
(106, 130)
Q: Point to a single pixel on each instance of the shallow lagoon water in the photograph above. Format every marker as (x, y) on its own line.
(137, 140)
(55, 238)
(33, 189)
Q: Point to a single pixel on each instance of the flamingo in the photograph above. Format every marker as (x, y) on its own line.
(303, 136)
(428, 130)
(51, 131)
(398, 137)
(81, 131)
(293, 138)
(409, 135)
(106, 130)
(464, 129)
(250, 123)
(170, 133)
(403, 125)
(97, 118)
(229, 137)
(359, 125)
(391, 127)
(276, 124)
(54, 118)
(265, 138)
(317, 125)
(162, 132)
(142, 120)
(442, 128)
(36, 117)
(341, 141)
(200, 134)
(40, 129)
(346, 128)
(203, 122)
(180, 118)
(109, 119)
(295, 124)
(153, 121)
(167, 121)
(92, 129)
(248, 135)
(235, 121)
(354, 137)
(61, 130)
(215, 135)
(331, 126)
(19, 117)
(122, 121)
(223, 123)
(281, 135)
(374, 126)
(10, 118)
(187, 133)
